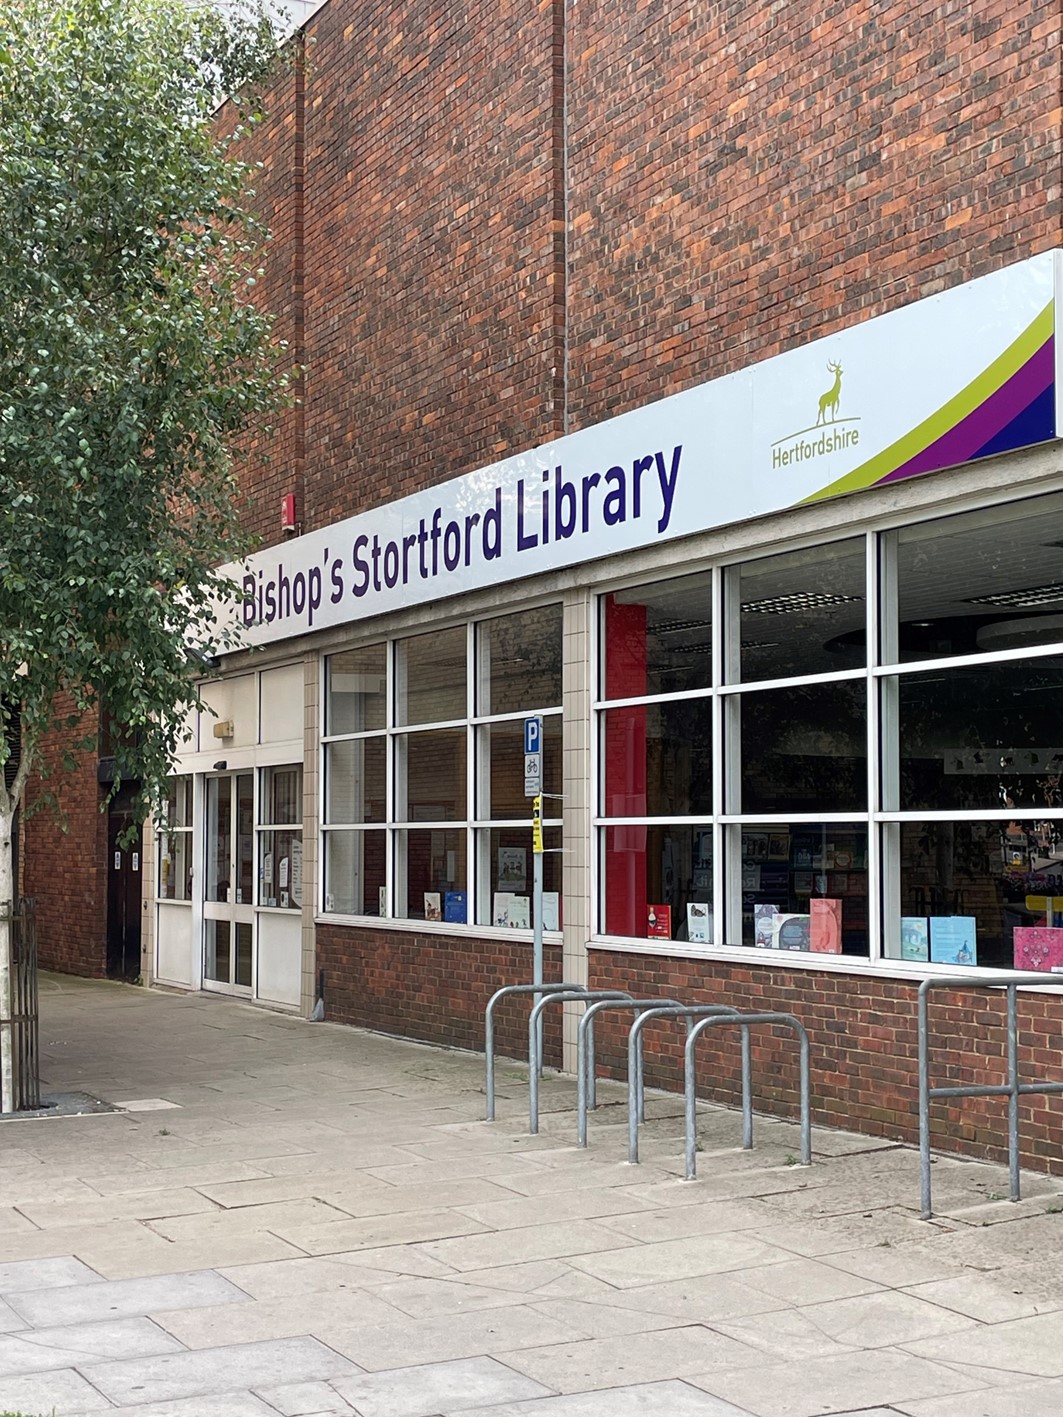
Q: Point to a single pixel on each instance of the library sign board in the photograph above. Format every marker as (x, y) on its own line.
(958, 376)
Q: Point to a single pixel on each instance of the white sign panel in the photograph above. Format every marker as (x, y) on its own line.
(957, 376)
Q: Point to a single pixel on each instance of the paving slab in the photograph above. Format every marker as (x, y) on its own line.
(482, 1332)
(59, 1393)
(22, 1275)
(229, 1404)
(679, 1259)
(212, 1371)
(125, 1298)
(1040, 1399)
(430, 1388)
(821, 1385)
(298, 1399)
(1029, 1346)
(634, 1358)
(664, 1399)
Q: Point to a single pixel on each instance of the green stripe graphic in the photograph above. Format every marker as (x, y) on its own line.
(946, 417)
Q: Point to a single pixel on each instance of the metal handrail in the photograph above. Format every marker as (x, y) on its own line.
(576, 995)
(745, 1022)
(636, 1091)
(489, 1030)
(585, 1081)
(1013, 1089)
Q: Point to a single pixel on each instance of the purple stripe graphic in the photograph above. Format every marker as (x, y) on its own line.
(963, 442)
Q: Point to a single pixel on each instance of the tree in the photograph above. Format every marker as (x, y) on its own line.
(133, 368)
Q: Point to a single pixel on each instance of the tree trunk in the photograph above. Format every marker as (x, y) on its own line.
(7, 950)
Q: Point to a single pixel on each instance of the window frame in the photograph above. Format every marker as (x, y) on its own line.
(882, 670)
(476, 826)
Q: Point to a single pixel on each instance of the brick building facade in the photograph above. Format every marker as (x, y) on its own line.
(495, 227)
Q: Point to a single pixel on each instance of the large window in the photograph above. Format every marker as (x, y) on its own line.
(425, 814)
(851, 748)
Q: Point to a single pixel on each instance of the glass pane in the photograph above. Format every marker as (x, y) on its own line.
(175, 865)
(432, 863)
(804, 887)
(356, 780)
(177, 804)
(520, 661)
(658, 638)
(355, 690)
(501, 768)
(282, 795)
(987, 580)
(982, 737)
(430, 685)
(987, 893)
(801, 613)
(216, 950)
(243, 956)
(803, 749)
(355, 872)
(430, 776)
(658, 882)
(280, 869)
(245, 860)
(657, 759)
(219, 838)
(507, 897)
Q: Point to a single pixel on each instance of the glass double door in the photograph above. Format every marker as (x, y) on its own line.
(228, 903)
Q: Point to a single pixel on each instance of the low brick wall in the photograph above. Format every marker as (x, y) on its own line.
(433, 987)
(864, 1050)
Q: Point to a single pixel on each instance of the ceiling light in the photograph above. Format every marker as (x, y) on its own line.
(1022, 599)
(796, 602)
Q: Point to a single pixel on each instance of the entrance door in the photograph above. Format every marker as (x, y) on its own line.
(123, 893)
(228, 904)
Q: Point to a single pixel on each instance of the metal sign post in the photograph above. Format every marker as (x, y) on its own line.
(533, 788)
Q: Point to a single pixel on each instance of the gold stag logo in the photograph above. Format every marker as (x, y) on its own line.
(829, 434)
(831, 398)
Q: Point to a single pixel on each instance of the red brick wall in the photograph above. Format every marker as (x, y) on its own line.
(432, 275)
(746, 178)
(864, 1049)
(433, 987)
(64, 864)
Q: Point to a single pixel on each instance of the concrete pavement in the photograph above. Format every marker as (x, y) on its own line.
(297, 1219)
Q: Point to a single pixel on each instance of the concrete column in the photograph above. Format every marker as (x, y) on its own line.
(576, 869)
(311, 782)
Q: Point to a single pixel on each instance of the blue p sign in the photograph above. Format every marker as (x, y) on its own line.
(533, 735)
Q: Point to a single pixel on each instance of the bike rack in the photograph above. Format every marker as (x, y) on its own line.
(1013, 1089)
(557, 997)
(745, 1022)
(586, 1092)
(489, 1029)
(636, 1091)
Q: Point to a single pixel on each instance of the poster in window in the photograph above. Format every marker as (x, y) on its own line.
(952, 939)
(915, 937)
(551, 910)
(790, 931)
(512, 868)
(500, 909)
(1038, 947)
(778, 846)
(455, 907)
(432, 907)
(764, 926)
(382, 901)
(699, 923)
(519, 912)
(658, 922)
(825, 926)
(297, 871)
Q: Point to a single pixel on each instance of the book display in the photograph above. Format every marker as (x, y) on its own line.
(805, 889)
